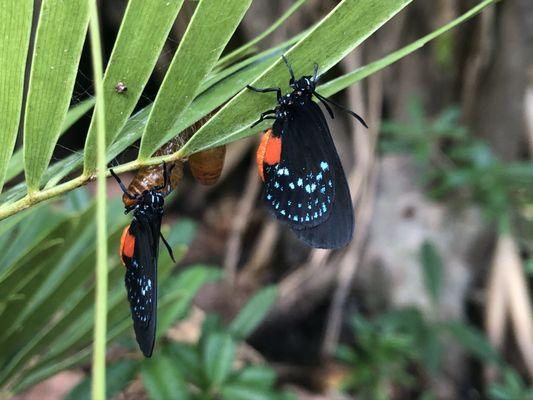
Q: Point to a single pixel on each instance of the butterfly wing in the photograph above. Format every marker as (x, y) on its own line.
(307, 189)
(141, 278)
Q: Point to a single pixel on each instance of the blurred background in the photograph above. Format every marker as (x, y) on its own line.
(432, 298)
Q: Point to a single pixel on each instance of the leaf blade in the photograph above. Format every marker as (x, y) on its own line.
(212, 26)
(59, 39)
(144, 22)
(15, 27)
(253, 312)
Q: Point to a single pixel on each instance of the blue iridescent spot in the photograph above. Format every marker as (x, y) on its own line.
(323, 190)
(295, 218)
(308, 188)
(282, 212)
(276, 185)
(289, 202)
(291, 185)
(319, 176)
(300, 182)
(324, 165)
(269, 197)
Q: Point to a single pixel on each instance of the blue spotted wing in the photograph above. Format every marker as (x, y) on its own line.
(307, 189)
(141, 278)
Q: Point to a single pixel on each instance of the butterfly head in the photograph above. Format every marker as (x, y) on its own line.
(304, 85)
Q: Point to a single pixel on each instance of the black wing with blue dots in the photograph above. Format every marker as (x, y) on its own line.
(141, 278)
(307, 189)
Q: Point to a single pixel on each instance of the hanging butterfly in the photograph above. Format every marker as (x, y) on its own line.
(305, 185)
(139, 250)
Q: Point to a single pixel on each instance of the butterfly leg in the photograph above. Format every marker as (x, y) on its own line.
(264, 115)
(265, 90)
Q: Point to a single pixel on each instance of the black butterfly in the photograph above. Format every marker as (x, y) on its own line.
(304, 181)
(139, 250)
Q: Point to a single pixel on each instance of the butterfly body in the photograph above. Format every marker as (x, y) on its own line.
(139, 251)
(305, 185)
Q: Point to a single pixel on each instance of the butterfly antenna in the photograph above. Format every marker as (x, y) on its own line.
(356, 116)
(288, 67)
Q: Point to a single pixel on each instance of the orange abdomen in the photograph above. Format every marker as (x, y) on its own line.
(127, 245)
(268, 152)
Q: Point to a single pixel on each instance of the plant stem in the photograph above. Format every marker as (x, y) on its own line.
(100, 315)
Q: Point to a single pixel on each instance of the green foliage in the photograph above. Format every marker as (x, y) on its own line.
(202, 370)
(510, 387)
(400, 347)
(455, 164)
(47, 288)
(253, 313)
(381, 358)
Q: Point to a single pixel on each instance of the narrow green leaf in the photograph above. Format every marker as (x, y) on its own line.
(211, 27)
(473, 341)
(243, 50)
(74, 114)
(58, 44)
(142, 34)
(218, 355)
(431, 270)
(349, 79)
(253, 313)
(162, 379)
(351, 20)
(15, 28)
(244, 392)
(259, 376)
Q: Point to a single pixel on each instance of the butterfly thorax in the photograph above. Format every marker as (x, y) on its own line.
(301, 95)
(149, 202)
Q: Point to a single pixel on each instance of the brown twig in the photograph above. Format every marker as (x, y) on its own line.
(261, 253)
(244, 210)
